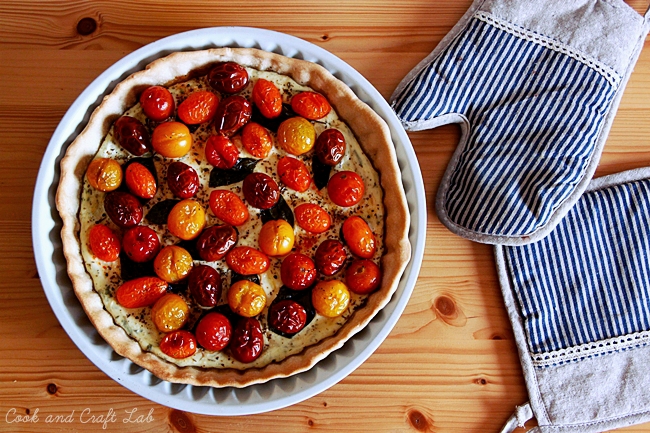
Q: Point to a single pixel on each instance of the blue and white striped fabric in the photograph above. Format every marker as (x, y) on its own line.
(534, 115)
(589, 280)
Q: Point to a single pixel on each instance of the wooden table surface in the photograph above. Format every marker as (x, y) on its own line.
(431, 373)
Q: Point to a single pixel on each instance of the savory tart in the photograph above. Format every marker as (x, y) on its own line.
(232, 216)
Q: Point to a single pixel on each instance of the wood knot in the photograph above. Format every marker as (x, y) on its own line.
(310, 423)
(86, 26)
(418, 420)
(325, 38)
(448, 311)
(52, 388)
(481, 381)
(181, 422)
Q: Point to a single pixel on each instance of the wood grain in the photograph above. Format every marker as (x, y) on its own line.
(449, 365)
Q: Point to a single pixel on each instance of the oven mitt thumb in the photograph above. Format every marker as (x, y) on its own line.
(534, 86)
(579, 303)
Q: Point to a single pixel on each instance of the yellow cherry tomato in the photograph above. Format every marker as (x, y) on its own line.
(170, 313)
(186, 219)
(296, 135)
(104, 174)
(171, 139)
(173, 263)
(276, 238)
(330, 298)
(246, 298)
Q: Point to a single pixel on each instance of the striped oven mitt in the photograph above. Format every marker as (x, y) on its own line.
(579, 303)
(534, 86)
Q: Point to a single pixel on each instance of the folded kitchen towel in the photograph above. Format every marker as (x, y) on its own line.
(534, 86)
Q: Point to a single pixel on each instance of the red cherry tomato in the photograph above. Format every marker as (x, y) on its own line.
(232, 113)
(346, 188)
(199, 107)
(363, 276)
(182, 179)
(178, 344)
(260, 190)
(247, 340)
(330, 257)
(247, 260)
(359, 237)
(228, 207)
(294, 173)
(330, 146)
(123, 208)
(287, 316)
(215, 242)
(221, 152)
(141, 292)
(298, 271)
(157, 103)
(228, 77)
(267, 98)
(132, 135)
(213, 331)
(310, 105)
(104, 243)
(204, 283)
(141, 244)
(312, 218)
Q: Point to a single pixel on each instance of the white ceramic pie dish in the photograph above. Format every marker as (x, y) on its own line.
(277, 393)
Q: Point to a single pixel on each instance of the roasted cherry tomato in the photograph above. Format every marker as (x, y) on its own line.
(104, 174)
(287, 316)
(232, 113)
(330, 257)
(215, 242)
(330, 147)
(363, 276)
(276, 238)
(346, 188)
(204, 283)
(260, 190)
(247, 260)
(267, 98)
(173, 263)
(247, 340)
(330, 298)
(104, 243)
(171, 139)
(182, 179)
(312, 218)
(296, 136)
(178, 344)
(140, 181)
(228, 207)
(157, 103)
(123, 208)
(199, 107)
(359, 238)
(170, 313)
(256, 140)
(141, 243)
(132, 135)
(246, 298)
(221, 152)
(213, 331)
(228, 77)
(310, 105)
(294, 173)
(186, 219)
(298, 271)
(140, 292)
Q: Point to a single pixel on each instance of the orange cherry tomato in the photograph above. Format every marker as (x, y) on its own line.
(198, 107)
(359, 238)
(330, 298)
(140, 292)
(276, 238)
(346, 188)
(221, 152)
(246, 298)
(178, 344)
(256, 140)
(267, 98)
(228, 207)
(104, 174)
(173, 263)
(310, 105)
(170, 312)
(312, 218)
(296, 135)
(294, 173)
(157, 103)
(171, 139)
(363, 276)
(247, 260)
(140, 181)
(104, 243)
(186, 219)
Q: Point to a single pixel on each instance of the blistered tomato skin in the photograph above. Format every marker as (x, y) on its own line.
(247, 340)
(294, 173)
(140, 292)
(228, 77)
(221, 152)
(310, 105)
(171, 139)
(104, 174)
(287, 316)
(247, 260)
(363, 276)
(296, 136)
(182, 179)
(260, 190)
(267, 98)
(186, 220)
(312, 218)
(173, 263)
(330, 298)
(228, 207)
(123, 208)
(215, 242)
(140, 181)
(204, 283)
(330, 147)
(141, 244)
(170, 313)
(298, 271)
(359, 237)
(199, 107)
(276, 238)
(330, 257)
(132, 135)
(232, 114)
(256, 140)
(104, 243)
(246, 298)
(157, 103)
(346, 188)
(178, 344)
(213, 332)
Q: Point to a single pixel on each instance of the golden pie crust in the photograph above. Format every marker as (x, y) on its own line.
(372, 134)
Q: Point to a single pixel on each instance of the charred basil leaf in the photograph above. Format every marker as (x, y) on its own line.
(131, 270)
(272, 124)
(160, 211)
(281, 210)
(302, 297)
(190, 247)
(178, 288)
(321, 172)
(234, 277)
(223, 177)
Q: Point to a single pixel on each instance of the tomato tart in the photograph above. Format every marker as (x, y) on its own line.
(231, 216)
